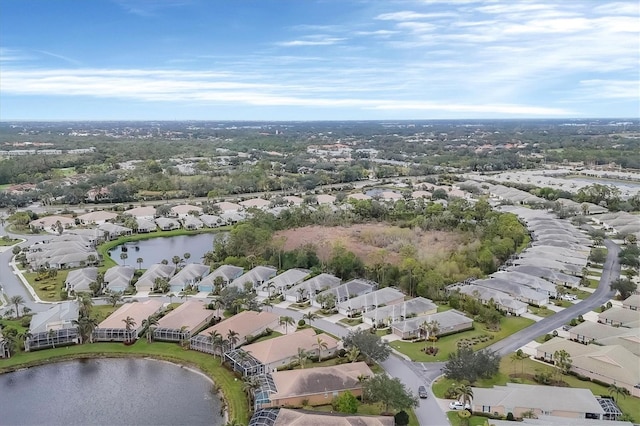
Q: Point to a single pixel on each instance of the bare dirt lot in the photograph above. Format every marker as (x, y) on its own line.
(373, 243)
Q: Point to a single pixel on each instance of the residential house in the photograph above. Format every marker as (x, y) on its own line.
(167, 224)
(293, 200)
(226, 273)
(53, 327)
(449, 322)
(632, 302)
(147, 212)
(620, 317)
(311, 287)
(325, 199)
(147, 281)
(343, 292)
(111, 231)
(190, 275)
(255, 203)
(543, 400)
(288, 417)
(256, 277)
(80, 280)
(535, 283)
(183, 210)
(549, 274)
(192, 223)
(279, 352)
(183, 322)
(118, 278)
(280, 283)
(358, 196)
(314, 386)
(96, 217)
(50, 223)
(226, 207)
(501, 300)
(519, 292)
(114, 327)
(588, 332)
(145, 225)
(387, 315)
(211, 221)
(612, 364)
(369, 301)
(247, 325)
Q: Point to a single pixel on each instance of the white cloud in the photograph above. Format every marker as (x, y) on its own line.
(312, 41)
(405, 15)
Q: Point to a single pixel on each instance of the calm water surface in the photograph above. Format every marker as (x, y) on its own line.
(154, 250)
(108, 392)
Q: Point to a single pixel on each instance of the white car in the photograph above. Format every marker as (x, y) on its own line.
(569, 297)
(457, 405)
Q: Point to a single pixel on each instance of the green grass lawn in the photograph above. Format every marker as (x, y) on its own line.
(351, 321)
(541, 312)
(49, 288)
(448, 344)
(6, 241)
(235, 398)
(442, 308)
(456, 420)
(101, 312)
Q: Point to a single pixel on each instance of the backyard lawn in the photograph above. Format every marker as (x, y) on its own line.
(47, 289)
(448, 344)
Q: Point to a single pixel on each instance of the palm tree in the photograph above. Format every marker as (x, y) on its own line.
(433, 327)
(310, 316)
(114, 297)
(17, 300)
(85, 326)
(270, 287)
(186, 256)
(148, 323)
(50, 335)
(129, 323)
(139, 262)
(233, 338)
(85, 303)
(321, 344)
(464, 393)
(176, 260)
(124, 257)
(217, 342)
(171, 296)
(302, 357)
(616, 390)
(353, 354)
(250, 385)
(286, 321)
(562, 361)
(266, 303)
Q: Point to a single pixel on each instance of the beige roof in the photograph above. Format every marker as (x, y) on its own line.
(326, 199)
(287, 417)
(190, 314)
(246, 323)
(286, 346)
(97, 216)
(421, 194)
(141, 211)
(310, 381)
(225, 206)
(621, 315)
(359, 196)
(595, 330)
(630, 340)
(255, 202)
(633, 300)
(545, 398)
(293, 199)
(48, 221)
(185, 209)
(139, 311)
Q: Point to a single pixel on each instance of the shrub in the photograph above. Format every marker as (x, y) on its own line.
(510, 417)
(301, 323)
(401, 418)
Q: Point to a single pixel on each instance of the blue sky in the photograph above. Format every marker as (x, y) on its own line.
(318, 60)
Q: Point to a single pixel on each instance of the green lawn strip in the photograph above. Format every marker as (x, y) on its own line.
(101, 312)
(48, 289)
(230, 386)
(442, 308)
(456, 420)
(541, 312)
(270, 336)
(351, 321)
(596, 273)
(5, 242)
(448, 344)
(525, 369)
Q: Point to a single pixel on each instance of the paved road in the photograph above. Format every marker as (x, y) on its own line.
(610, 273)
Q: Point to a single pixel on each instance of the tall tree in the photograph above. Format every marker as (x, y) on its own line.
(233, 338)
(17, 301)
(286, 321)
(321, 345)
(302, 357)
(389, 391)
(370, 345)
(129, 323)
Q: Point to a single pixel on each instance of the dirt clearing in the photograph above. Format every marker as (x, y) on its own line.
(374, 243)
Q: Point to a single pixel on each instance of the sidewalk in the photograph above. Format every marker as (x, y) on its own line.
(17, 272)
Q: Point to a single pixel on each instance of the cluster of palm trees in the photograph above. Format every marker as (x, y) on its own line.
(221, 344)
(85, 323)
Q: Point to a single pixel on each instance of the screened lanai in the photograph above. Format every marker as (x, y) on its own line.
(242, 362)
(51, 339)
(113, 335)
(265, 417)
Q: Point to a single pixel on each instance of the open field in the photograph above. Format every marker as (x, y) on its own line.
(373, 242)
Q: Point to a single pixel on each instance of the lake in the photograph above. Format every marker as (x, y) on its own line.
(112, 391)
(154, 250)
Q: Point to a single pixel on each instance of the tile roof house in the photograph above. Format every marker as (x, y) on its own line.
(184, 321)
(227, 273)
(369, 301)
(145, 225)
(632, 302)
(288, 417)
(225, 206)
(325, 199)
(190, 275)
(184, 210)
(343, 292)
(48, 223)
(620, 317)
(53, 327)
(281, 351)
(118, 278)
(147, 212)
(257, 203)
(502, 300)
(543, 400)
(112, 231)
(113, 328)
(96, 217)
(192, 223)
(246, 324)
(211, 221)
(167, 223)
(315, 385)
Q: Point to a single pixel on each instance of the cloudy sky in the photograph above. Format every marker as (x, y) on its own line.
(318, 59)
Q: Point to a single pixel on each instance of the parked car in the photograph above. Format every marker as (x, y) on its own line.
(422, 392)
(457, 405)
(568, 297)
